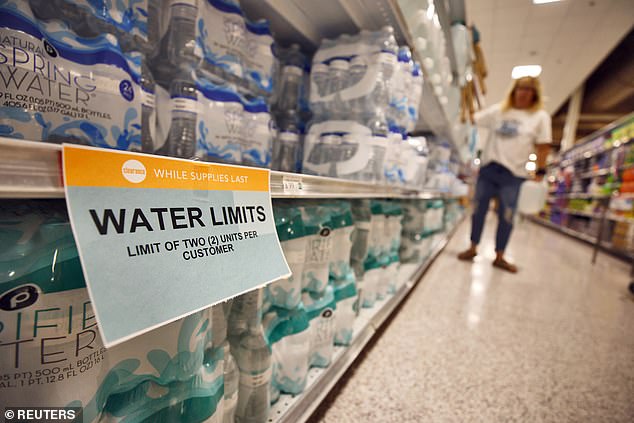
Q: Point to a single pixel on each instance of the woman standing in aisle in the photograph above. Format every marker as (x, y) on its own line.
(518, 126)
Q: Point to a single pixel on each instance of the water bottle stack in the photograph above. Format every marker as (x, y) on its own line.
(364, 95)
(290, 108)
(188, 79)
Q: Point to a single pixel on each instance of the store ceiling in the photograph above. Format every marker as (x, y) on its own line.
(569, 39)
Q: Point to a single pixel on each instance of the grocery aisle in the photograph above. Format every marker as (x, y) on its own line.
(553, 343)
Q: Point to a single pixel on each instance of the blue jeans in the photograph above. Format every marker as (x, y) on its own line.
(495, 181)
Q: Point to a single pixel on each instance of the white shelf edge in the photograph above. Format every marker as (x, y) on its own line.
(289, 409)
(30, 169)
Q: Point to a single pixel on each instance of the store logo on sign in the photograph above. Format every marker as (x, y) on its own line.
(134, 171)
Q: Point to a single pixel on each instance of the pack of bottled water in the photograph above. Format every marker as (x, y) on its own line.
(188, 79)
(289, 106)
(72, 73)
(168, 374)
(252, 353)
(360, 99)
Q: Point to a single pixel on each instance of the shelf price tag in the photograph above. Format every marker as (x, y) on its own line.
(161, 238)
(292, 184)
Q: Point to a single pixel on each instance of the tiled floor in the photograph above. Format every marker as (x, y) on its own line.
(554, 343)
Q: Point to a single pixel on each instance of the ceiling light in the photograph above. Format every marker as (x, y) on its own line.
(531, 166)
(532, 157)
(526, 70)
(544, 1)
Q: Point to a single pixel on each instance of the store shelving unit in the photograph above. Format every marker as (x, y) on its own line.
(306, 23)
(289, 409)
(585, 150)
(33, 170)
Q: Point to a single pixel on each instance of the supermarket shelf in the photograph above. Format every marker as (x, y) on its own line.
(33, 170)
(577, 196)
(307, 23)
(608, 216)
(604, 245)
(588, 154)
(595, 173)
(292, 409)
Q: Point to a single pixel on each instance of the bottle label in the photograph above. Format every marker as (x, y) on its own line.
(294, 256)
(221, 37)
(50, 344)
(148, 99)
(292, 71)
(182, 104)
(259, 60)
(45, 95)
(257, 138)
(219, 130)
(255, 380)
(127, 16)
(288, 137)
(324, 329)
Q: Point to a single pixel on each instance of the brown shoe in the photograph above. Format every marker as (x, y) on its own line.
(504, 265)
(467, 255)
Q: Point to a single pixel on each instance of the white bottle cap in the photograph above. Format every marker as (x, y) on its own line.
(339, 64)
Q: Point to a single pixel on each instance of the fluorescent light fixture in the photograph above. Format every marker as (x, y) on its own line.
(532, 157)
(544, 1)
(526, 70)
(531, 166)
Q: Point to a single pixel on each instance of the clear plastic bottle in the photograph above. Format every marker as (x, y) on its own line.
(287, 146)
(337, 76)
(230, 369)
(148, 116)
(253, 356)
(358, 69)
(182, 134)
(181, 37)
(319, 75)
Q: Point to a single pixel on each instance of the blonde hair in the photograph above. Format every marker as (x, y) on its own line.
(538, 103)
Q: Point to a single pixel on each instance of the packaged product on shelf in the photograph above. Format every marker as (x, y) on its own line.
(258, 58)
(360, 240)
(201, 117)
(221, 37)
(289, 337)
(253, 357)
(48, 325)
(285, 106)
(371, 281)
(350, 97)
(199, 398)
(48, 292)
(257, 134)
(417, 165)
(342, 228)
(414, 96)
(286, 292)
(346, 297)
(321, 310)
(222, 351)
(401, 85)
(87, 90)
(393, 214)
(318, 227)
